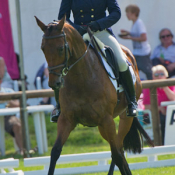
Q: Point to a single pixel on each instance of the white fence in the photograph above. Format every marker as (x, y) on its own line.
(10, 164)
(101, 157)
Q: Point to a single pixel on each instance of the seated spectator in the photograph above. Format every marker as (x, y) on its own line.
(43, 73)
(163, 94)
(164, 53)
(4, 75)
(12, 123)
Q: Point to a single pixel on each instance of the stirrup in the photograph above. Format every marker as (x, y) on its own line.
(132, 110)
(54, 115)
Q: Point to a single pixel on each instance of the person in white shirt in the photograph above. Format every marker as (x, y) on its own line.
(138, 35)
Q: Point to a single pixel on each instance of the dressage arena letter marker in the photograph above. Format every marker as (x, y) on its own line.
(172, 118)
(170, 125)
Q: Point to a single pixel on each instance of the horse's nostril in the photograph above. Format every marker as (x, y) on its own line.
(58, 83)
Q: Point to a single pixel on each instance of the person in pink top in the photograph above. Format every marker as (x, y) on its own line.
(163, 94)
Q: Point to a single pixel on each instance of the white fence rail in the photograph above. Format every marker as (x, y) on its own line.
(102, 158)
(10, 164)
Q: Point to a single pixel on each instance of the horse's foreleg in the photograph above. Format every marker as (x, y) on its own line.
(64, 127)
(111, 168)
(108, 131)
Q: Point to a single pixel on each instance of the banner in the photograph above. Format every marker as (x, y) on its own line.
(6, 41)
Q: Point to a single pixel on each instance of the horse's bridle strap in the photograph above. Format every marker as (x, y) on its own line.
(55, 36)
(80, 57)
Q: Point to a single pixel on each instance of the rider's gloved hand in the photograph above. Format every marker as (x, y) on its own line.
(94, 26)
(82, 30)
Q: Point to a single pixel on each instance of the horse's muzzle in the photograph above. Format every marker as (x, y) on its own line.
(58, 84)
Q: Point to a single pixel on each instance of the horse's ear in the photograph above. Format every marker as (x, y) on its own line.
(40, 24)
(62, 21)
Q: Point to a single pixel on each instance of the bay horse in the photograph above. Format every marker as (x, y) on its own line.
(86, 94)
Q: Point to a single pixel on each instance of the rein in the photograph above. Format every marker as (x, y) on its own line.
(65, 66)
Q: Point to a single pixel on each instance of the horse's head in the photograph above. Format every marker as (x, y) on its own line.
(56, 50)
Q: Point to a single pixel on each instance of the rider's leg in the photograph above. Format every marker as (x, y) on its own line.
(56, 112)
(125, 74)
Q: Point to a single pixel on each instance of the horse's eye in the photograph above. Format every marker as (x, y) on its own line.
(60, 49)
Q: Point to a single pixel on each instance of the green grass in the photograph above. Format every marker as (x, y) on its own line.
(81, 140)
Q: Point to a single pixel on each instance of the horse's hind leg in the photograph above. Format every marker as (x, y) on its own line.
(124, 127)
(64, 127)
(108, 131)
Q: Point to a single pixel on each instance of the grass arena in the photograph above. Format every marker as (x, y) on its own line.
(81, 140)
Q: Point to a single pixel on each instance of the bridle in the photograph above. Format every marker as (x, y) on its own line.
(65, 65)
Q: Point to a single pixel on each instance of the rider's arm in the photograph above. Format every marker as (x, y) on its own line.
(169, 92)
(113, 17)
(141, 38)
(65, 8)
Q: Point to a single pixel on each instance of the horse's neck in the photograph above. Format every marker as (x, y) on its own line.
(78, 47)
(85, 68)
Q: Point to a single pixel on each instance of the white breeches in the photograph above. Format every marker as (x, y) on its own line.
(112, 42)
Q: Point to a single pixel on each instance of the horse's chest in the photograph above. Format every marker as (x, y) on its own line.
(87, 115)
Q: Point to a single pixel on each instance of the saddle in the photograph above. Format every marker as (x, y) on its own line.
(103, 52)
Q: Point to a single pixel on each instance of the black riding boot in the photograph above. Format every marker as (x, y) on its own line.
(56, 111)
(127, 83)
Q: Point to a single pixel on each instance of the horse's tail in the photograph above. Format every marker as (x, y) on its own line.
(134, 139)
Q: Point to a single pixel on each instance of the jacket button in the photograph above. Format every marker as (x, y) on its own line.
(82, 23)
(92, 9)
(82, 16)
(92, 16)
(81, 10)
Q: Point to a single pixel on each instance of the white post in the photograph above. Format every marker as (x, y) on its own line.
(43, 130)
(15, 85)
(38, 86)
(152, 158)
(2, 136)
(38, 132)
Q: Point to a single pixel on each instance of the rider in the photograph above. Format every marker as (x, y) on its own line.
(92, 13)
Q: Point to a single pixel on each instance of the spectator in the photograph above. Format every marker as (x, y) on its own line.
(12, 123)
(138, 35)
(163, 94)
(164, 53)
(43, 73)
(5, 78)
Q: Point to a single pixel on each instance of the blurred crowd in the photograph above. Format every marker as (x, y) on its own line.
(156, 63)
